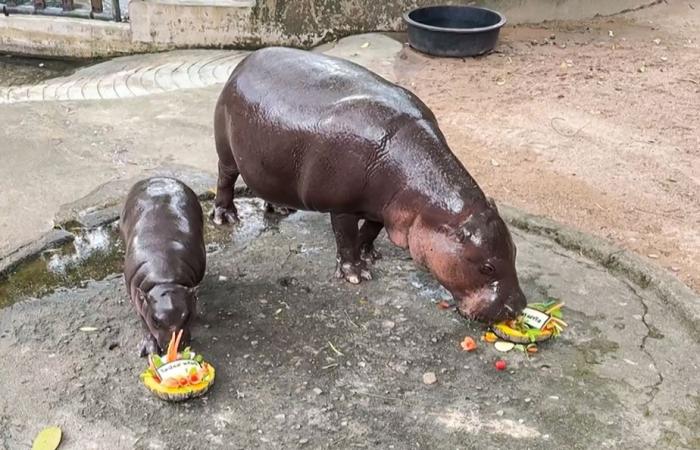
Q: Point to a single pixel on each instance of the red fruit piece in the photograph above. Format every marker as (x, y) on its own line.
(444, 304)
(500, 365)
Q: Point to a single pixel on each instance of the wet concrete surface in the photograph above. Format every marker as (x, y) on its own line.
(305, 360)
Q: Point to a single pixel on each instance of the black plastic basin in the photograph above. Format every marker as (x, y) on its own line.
(455, 31)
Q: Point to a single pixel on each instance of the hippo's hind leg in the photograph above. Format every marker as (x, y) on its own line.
(350, 266)
(368, 233)
(224, 209)
(279, 210)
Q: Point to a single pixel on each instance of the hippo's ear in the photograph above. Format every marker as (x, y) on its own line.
(459, 234)
(141, 296)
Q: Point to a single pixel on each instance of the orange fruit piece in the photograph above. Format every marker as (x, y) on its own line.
(194, 378)
(170, 382)
(490, 337)
(444, 304)
(468, 344)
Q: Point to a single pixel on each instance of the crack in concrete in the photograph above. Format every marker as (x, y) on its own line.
(656, 387)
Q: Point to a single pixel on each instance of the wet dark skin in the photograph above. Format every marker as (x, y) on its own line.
(307, 131)
(163, 231)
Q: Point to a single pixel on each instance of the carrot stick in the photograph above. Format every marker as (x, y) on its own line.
(170, 347)
(177, 343)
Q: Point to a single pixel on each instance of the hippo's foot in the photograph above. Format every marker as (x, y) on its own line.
(369, 254)
(353, 273)
(221, 215)
(148, 345)
(279, 210)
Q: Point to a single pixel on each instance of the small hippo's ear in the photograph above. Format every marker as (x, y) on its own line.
(459, 234)
(141, 296)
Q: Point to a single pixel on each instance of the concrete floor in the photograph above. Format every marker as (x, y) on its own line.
(623, 375)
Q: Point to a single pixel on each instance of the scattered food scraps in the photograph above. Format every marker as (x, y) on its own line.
(504, 346)
(489, 337)
(468, 344)
(500, 365)
(444, 304)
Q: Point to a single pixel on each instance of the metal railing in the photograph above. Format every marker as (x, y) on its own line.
(67, 8)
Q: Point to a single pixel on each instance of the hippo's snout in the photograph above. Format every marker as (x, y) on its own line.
(489, 304)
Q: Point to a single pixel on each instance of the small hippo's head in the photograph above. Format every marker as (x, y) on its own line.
(474, 259)
(168, 308)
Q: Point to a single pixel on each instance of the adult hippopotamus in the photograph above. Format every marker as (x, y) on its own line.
(163, 231)
(313, 132)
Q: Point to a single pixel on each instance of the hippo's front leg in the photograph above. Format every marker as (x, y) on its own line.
(350, 266)
(148, 345)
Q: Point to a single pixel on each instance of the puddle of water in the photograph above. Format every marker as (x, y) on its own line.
(93, 255)
(18, 70)
(98, 253)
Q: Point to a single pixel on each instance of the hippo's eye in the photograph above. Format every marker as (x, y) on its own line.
(487, 269)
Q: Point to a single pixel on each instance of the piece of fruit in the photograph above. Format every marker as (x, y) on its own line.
(500, 365)
(468, 344)
(444, 304)
(504, 346)
(532, 348)
(170, 383)
(194, 378)
(490, 337)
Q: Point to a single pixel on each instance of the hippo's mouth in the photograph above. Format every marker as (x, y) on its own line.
(480, 306)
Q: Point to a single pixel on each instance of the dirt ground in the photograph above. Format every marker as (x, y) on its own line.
(594, 124)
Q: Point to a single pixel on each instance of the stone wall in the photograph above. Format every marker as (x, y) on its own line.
(308, 22)
(165, 24)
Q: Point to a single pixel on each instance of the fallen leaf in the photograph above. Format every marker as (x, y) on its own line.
(365, 45)
(88, 329)
(47, 439)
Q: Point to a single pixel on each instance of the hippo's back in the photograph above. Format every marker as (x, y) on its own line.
(312, 132)
(162, 227)
(300, 90)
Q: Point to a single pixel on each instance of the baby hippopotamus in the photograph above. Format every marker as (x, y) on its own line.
(163, 231)
(312, 132)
